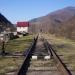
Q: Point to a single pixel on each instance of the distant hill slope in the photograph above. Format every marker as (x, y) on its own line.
(4, 23)
(55, 21)
(61, 15)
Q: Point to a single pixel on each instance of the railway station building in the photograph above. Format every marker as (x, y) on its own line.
(22, 27)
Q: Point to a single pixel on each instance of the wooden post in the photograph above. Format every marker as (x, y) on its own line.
(3, 48)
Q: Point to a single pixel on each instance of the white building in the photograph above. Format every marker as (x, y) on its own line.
(22, 27)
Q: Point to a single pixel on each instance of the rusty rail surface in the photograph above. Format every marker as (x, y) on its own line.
(26, 63)
(59, 64)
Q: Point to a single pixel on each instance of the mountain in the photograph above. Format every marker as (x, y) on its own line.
(54, 22)
(5, 24)
(61, 15)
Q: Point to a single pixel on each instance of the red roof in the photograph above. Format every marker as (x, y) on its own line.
(22, 24)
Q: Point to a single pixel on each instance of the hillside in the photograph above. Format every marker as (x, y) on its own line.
(5, 24)
(58, 22)
(61, 15)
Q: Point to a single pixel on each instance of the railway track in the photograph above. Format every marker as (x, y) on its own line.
(41, 59)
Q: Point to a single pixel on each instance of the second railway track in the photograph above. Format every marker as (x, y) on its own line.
(46, 61)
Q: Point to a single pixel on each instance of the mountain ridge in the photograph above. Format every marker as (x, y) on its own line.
(55, 22)
(5, 23)
(70, 10)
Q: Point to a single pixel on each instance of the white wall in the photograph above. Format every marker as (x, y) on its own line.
(22, 29)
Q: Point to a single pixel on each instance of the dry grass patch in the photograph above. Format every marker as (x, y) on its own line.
(64, 47)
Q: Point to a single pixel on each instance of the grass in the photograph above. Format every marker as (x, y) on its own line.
(8, 64)
(18, 44)
(64, 47)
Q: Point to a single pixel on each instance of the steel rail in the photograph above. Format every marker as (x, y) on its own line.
(26, 63)
(59, 64)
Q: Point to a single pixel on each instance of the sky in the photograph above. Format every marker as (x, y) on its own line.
(24, 10)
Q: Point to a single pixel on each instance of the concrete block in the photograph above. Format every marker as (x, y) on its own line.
(47, 57)
(34, 57)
